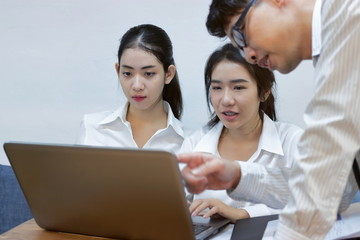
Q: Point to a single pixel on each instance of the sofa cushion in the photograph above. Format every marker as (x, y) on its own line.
(14, 209)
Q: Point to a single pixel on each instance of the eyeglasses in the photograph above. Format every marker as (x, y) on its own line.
(237, 33)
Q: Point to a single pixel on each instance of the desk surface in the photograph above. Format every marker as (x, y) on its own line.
(31, 231)
(251, 229)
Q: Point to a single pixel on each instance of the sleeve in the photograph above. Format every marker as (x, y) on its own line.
(192, 140)
(258, 210)
(268, 185)
(187, 146)
(260, 184)
(332, 137)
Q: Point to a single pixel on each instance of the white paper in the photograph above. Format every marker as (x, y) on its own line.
(270, 230)
(347, 227)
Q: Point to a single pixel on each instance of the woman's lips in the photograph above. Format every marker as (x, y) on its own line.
(229, 116)
(138, 98)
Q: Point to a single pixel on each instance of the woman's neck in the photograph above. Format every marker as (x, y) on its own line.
(145, 123)
(240, 144)
(247, 133)
(153, 114)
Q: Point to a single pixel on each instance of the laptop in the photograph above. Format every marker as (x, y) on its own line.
(107, 192)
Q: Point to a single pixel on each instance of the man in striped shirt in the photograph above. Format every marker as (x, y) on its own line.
(279, 34)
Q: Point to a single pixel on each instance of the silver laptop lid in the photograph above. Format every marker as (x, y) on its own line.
(107, 192)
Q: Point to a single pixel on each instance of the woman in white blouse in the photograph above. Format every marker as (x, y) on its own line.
(242, 127)
(148, 77)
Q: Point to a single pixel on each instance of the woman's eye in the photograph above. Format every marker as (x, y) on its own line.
(149, 74)
(239, 87)
(126, 74)
(215, 88)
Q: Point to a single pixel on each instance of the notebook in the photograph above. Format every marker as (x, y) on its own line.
(106, 192)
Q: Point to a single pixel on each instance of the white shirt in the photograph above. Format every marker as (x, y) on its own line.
(316, 31)
(276, 145)
(110, 128)
(331, 140)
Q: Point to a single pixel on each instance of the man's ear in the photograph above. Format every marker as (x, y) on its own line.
(170, 74)
(117, 68)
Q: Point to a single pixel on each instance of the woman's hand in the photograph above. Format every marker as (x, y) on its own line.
(216, 207)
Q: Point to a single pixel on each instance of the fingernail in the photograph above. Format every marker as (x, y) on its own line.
(195, 171)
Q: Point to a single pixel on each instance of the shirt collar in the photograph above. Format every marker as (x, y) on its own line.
(269, 140)
(209, 142)
(173, 121)
(120, 114)
(316, 29)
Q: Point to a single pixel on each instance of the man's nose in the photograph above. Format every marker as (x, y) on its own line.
(250, 55)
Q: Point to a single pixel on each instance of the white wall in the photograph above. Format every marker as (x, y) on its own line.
(57, 63)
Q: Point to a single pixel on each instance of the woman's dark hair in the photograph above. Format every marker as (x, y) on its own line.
(264, 78)
(156, 41)
(219, 13)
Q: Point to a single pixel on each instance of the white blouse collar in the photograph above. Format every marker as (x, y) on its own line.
(120, 114)
(269, 139)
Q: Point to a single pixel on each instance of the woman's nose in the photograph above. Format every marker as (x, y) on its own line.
(138, 84)
(227, 98)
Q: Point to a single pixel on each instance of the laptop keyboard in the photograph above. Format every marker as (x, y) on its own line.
(198, 228)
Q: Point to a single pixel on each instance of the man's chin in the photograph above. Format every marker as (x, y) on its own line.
(287, 68)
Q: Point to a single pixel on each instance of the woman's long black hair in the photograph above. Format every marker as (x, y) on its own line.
(156, 41)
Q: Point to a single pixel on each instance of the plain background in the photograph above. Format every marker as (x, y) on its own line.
(57, 63)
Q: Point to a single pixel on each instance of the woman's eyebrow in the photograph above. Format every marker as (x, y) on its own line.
(231, 81)
(149, 66)
(145, 67)
(215, 81)
(126, 66)
(239, 80)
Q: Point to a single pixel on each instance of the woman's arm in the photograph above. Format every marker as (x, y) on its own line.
(216, 207)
